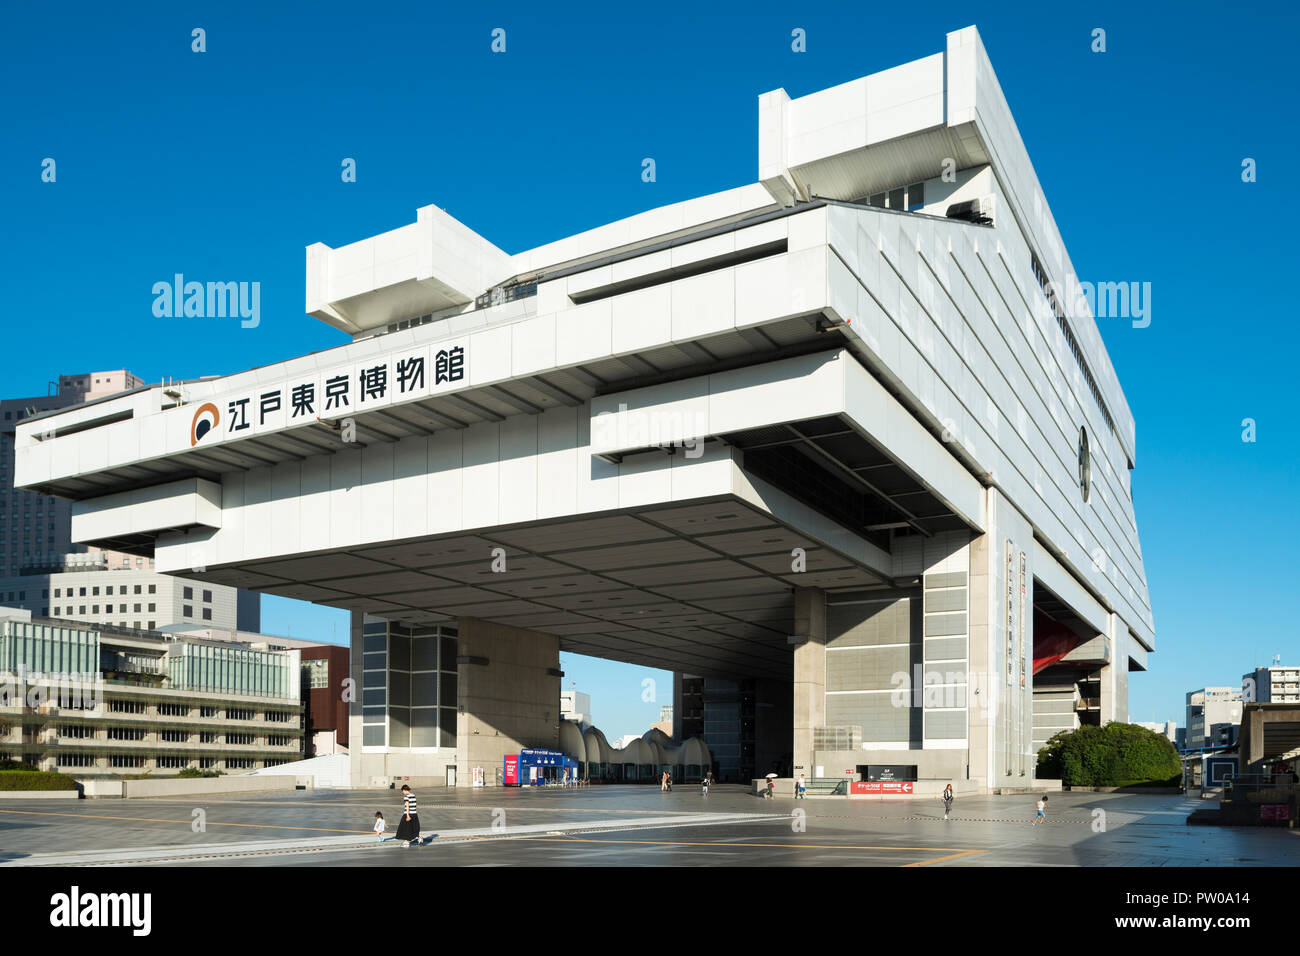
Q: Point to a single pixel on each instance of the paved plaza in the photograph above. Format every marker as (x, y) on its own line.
(630, 826)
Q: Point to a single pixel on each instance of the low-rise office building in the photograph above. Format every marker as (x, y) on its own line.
(104, 702)
(1212, 713)
(90, 591)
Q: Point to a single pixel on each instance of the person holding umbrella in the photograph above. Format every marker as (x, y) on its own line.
(771, 786)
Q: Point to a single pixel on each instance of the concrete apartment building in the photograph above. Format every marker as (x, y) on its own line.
(1271, 685)
(101, 702)
(1213, 717)
(839, 440)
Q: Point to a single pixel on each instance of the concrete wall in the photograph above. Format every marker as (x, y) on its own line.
(509, 703)
(184, 788)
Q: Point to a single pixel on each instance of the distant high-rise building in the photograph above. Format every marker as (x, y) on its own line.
(36, 529)
(43, 571)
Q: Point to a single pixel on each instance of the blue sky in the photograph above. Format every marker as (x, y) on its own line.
(224, 165)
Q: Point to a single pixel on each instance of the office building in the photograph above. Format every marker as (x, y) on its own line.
(94, 702)
(89, 591)
(1212, 715)
(575, 706)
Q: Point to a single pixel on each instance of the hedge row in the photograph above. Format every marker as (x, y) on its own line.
(1117, 755)
(35, 780)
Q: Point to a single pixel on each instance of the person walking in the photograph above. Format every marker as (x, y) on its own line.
(801, 789)
(380, 827)
(663, 782)
(409, 828)
(1041, 816)
(947, 801)
(704, 785)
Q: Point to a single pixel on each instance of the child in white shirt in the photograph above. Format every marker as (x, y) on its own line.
(380, 826)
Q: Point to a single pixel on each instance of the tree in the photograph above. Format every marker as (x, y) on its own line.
(1116, 755)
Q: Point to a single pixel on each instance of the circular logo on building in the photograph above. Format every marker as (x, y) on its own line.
(205, 419)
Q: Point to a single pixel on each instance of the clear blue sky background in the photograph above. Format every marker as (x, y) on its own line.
(224, 165)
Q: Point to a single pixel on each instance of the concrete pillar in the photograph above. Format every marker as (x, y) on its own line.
(1114, 676)
(677, 706)
(809, 641)
(509, 690)
(983, 687)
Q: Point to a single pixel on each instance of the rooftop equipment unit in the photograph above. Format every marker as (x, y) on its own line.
(978, 211)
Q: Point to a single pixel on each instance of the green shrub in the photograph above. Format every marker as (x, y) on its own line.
(1117, 755)
(189, 772)
(35, 780)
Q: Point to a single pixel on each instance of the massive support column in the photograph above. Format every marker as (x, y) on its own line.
(1114, 676)
(809, 640)
(982, 690)
(1001, 692)
(509, 681)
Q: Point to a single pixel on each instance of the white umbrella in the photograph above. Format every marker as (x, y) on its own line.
(771, 775)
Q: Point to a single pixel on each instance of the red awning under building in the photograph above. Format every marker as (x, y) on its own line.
(1052, 641)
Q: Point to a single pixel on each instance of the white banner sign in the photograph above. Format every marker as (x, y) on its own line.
(333, 394)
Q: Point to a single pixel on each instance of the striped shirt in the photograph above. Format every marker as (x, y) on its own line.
(409, 806)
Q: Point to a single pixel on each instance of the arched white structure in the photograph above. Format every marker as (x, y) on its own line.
(653, 749)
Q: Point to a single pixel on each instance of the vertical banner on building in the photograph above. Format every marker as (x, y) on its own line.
(1012, 706)
(1020, 624)
(1025, 705)
(1010, 615)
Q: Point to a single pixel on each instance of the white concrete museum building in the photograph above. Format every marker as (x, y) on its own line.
(836, 432)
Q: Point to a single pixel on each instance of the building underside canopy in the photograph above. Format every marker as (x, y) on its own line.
(705, 587)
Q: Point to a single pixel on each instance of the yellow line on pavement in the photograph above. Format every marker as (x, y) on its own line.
(942, 859)
(953, 852)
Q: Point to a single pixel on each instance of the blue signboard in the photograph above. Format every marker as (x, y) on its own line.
(533, 764)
